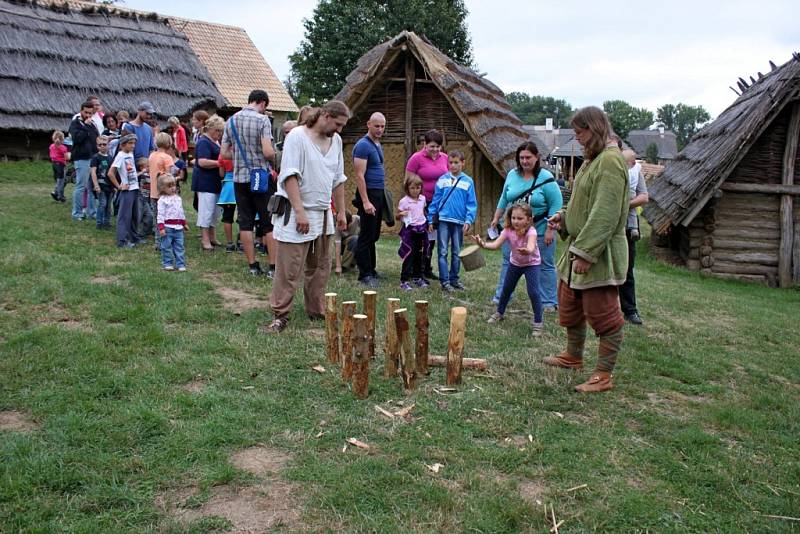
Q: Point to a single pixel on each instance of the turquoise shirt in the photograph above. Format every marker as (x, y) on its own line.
(544, 199)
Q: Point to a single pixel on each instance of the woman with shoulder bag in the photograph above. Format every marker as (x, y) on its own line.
(531, 184)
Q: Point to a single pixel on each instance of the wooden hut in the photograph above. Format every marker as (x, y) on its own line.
(728, 203)
(417, 88)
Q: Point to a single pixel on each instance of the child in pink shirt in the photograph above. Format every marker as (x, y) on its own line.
(525, 260)
(58, 156)
(413, 234)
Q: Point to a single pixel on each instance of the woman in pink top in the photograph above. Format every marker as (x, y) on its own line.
(429, 164)
(525, 260)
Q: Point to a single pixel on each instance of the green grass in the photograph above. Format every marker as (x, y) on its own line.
(700, 434)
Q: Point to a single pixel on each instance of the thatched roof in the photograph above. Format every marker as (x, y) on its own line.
(52, 57)
(705, 163)
(665, 141)
(479, 104)
(569, 149)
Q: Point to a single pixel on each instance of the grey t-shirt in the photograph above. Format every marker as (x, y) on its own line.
(637, 187)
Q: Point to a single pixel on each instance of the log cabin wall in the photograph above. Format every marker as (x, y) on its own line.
(430, 110)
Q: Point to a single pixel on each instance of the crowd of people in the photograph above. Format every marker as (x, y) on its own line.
(289, 202)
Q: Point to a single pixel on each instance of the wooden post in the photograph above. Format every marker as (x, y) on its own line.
(370, 298)
(421, 348)
(455, 344)
(408, 366)
(410, 77)
(348, 310)
(331, 328)
(391, 350)
(785, 273)
(360, 356)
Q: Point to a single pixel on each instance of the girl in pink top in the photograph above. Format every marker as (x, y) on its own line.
(58, 156)
(525, 260)
(413, 235)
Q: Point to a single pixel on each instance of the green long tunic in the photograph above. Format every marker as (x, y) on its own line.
(594, 222)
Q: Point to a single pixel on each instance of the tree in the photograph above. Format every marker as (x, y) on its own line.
(684, 120)
(624, 117)
(340, 32)
(535, 109)
(651, 153)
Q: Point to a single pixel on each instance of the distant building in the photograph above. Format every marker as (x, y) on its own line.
(665, 141)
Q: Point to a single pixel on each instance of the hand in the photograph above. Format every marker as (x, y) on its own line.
(549, 236)
(97, 189)
(185, 227)
(162, 233)
(124, 187)
(554, 222)
(431, 228)
(341, 221)
(369, 209)
(302, 222)
(580, 266)
(466, 228)
(402, 213)
(493, 223)
(524, 251)
(477, 240)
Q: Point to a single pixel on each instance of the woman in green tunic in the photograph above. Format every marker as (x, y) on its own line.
(595, 259)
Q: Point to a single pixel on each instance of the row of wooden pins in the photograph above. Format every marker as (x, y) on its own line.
(358, 341)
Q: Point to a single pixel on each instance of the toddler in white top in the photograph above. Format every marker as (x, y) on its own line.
(171, 224)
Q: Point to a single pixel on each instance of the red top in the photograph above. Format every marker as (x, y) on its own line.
(226, 164)
(58, 153)
(179, 137)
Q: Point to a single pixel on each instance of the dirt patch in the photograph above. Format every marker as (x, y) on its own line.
(195, 386)
(317, 333)
(532, 491)
(260, 460)
(238, 301)
(108, 280)
(14, 421)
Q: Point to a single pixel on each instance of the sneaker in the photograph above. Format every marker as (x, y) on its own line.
(446, 287)
(550, 309)
(405, 286)
(458, 285)
(261, 248)
(169, 268)
(230, 247)
(496, 317)
(255, 269)
(181, 269)
(370, 282)
(495, 301)
(634, 318)
(62, 199)
(271, 274)
(538, 329)
(421, 282)
(55, 197)
(277, 325)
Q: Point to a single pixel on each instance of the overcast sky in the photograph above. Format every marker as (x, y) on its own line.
(652, 54)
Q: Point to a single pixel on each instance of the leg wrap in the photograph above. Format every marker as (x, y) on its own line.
(608, 349)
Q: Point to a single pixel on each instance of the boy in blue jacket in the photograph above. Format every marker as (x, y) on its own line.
(451, 214)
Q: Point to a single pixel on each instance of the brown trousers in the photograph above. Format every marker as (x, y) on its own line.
(294, 260)
(598, 306)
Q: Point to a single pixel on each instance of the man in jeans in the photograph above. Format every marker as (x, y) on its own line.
(370, 182)
(255, 136)
(639, 197)
(84, 134)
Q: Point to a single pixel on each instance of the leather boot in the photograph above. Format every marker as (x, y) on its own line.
(599, 381)
(565, 360)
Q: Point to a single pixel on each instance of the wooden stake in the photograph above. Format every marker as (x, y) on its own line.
(455, 344)
(370, 298)
(348, 310)
(421, 348)
(466, 363)
(360, 356)
(391, 349)
(408, 365)
(331, 328)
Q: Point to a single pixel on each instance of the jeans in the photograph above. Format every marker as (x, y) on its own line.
(627, 291)
(60, 176)
(513, 274)
(82, 181)
(172, 251)
(145, 223)
(104, 208)
(449, 235)
(369, 234)
(548, 279)
(126, 218)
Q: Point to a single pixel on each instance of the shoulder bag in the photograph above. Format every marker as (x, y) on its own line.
(259, 178)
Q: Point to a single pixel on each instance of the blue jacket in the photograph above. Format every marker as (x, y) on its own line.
(461, 205)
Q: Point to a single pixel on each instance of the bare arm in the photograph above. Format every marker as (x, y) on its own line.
(226, 151)
(490, 245)
(208, 163)
(268, 149)
(496, 217)
(338, 203)
(640, 200)
(112, 175)
(292, 187)
(93, 173)
(360, 166)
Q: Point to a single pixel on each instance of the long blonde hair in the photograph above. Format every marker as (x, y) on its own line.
(595, 120)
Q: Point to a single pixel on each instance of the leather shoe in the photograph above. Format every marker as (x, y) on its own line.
(634, 318)
(564, 360)
(599, 381)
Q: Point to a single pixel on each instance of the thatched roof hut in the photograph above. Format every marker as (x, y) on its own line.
(665, 141)
(54, 54)
(417, 88)
(727, 202)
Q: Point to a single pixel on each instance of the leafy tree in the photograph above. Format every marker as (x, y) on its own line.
(535, 109)
(684, 120)
(651, 153)
(340, 32)
(624, 117)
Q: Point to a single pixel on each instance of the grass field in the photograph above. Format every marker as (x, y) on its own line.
(137, 400)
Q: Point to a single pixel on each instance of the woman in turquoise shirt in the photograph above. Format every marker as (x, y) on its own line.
(536, 186)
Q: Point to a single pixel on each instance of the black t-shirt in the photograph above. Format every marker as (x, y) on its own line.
(102, 164)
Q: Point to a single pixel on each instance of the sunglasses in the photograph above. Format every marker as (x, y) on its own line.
(102, 144)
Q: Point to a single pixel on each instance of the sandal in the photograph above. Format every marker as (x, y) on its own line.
(277, 325)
